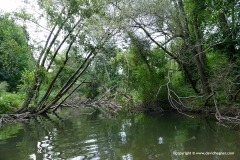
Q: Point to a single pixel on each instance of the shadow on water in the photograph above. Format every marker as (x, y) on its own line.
(140, 137)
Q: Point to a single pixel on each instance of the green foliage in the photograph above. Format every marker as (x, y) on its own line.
(222, 77)
(180, 86)
(8, 131)
(14, 52)
(3, 86)
(10, 101)
(147, 72)
(199, 48)
(27, 78)
(43, 91)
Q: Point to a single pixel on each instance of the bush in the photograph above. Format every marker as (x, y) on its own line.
(10, 101)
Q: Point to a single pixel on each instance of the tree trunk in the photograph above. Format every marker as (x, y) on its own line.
(30, 95)
(189, 77)
(196, 52)
(199, 58)
(68, 84)
(177, 59)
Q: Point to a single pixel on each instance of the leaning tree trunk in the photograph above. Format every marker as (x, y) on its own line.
(196, 53)
(176, 58)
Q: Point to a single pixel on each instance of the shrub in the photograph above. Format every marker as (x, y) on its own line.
(10, 101)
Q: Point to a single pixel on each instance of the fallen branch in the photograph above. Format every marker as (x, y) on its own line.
(236, 95)
(8, 118)
(175, 101)
(232, 121)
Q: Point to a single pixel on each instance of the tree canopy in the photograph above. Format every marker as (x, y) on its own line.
(135, 53)
(15, 54)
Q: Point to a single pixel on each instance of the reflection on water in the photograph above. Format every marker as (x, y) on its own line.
(138, 137)
(160, 140)
(127, 157)
(123, 137)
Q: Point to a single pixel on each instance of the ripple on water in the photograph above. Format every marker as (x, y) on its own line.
(88, 148)
(90, 141)
(140, 137)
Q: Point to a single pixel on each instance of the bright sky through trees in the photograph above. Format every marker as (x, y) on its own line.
(10, 5)
(36, 32)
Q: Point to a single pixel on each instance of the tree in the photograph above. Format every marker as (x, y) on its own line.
(84, 48)
(169, 20)
(15, 54)
(75, 21)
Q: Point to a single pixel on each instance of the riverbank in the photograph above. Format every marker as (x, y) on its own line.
(229, 114)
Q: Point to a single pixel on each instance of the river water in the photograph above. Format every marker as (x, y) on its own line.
(140, 137)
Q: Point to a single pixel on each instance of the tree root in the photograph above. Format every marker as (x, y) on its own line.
(226, 120)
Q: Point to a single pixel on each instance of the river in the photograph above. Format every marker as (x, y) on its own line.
(167, 136)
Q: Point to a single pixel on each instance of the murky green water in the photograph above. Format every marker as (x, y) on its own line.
(139, 137)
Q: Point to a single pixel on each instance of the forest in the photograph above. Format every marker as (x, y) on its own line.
(122, 56)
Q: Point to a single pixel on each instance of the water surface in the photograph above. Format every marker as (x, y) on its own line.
(139, 137)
